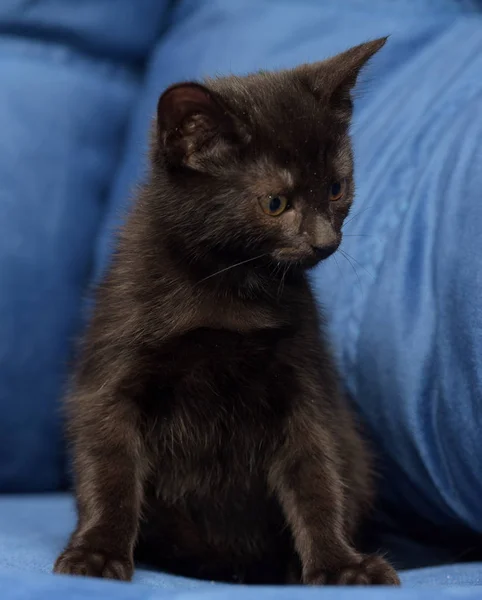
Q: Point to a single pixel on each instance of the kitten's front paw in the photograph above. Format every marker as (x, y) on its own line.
(93, 563)
(371, 570)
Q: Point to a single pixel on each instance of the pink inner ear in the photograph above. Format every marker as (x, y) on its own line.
(181, 101)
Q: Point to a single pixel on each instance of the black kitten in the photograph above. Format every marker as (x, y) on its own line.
(210, 435)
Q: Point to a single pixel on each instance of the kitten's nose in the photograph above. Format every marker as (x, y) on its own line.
(323, 252)
(324, 238)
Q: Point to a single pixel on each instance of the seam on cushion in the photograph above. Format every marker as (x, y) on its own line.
(12, 46)
(373, 255)
(418, 7)
(67, 38)
(400, 8)
(84, 43)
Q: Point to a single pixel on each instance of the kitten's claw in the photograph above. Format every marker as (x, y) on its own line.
(92, 563)
(371, 570)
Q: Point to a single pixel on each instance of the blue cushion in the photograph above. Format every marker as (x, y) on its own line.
(33, 530)
(406, 314)
(69, 73)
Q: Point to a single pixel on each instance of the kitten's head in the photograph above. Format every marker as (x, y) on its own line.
(259, 165)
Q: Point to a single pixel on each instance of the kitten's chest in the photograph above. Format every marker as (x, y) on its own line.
(210, 454)
(222, 400)
(222, 368)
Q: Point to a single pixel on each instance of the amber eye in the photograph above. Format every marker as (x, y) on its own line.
(337, 190)
(274, 205)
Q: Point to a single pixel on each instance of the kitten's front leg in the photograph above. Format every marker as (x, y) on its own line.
(305, 476)
(110, 468)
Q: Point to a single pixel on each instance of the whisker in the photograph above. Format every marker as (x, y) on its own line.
(357, 214)
(339, 268)
(243, 262)
(359, 235)
(281, 285)
(276, 269)
(359, 264)
(352, 266)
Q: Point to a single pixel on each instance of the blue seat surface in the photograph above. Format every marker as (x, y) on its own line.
(34, 528)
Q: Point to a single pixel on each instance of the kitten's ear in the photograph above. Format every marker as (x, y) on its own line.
(194, 127)
(334, 78)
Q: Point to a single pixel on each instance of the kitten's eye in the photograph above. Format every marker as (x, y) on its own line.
(337, 190)
(274, 205)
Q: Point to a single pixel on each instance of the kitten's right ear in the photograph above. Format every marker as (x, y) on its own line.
(333, 79)
(194, 127)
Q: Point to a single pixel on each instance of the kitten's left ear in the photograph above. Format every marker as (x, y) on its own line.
(334, 78)
(194, 127)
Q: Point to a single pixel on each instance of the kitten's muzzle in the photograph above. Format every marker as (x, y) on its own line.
(322, 252)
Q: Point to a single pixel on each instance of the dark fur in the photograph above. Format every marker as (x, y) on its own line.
(209, 431)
